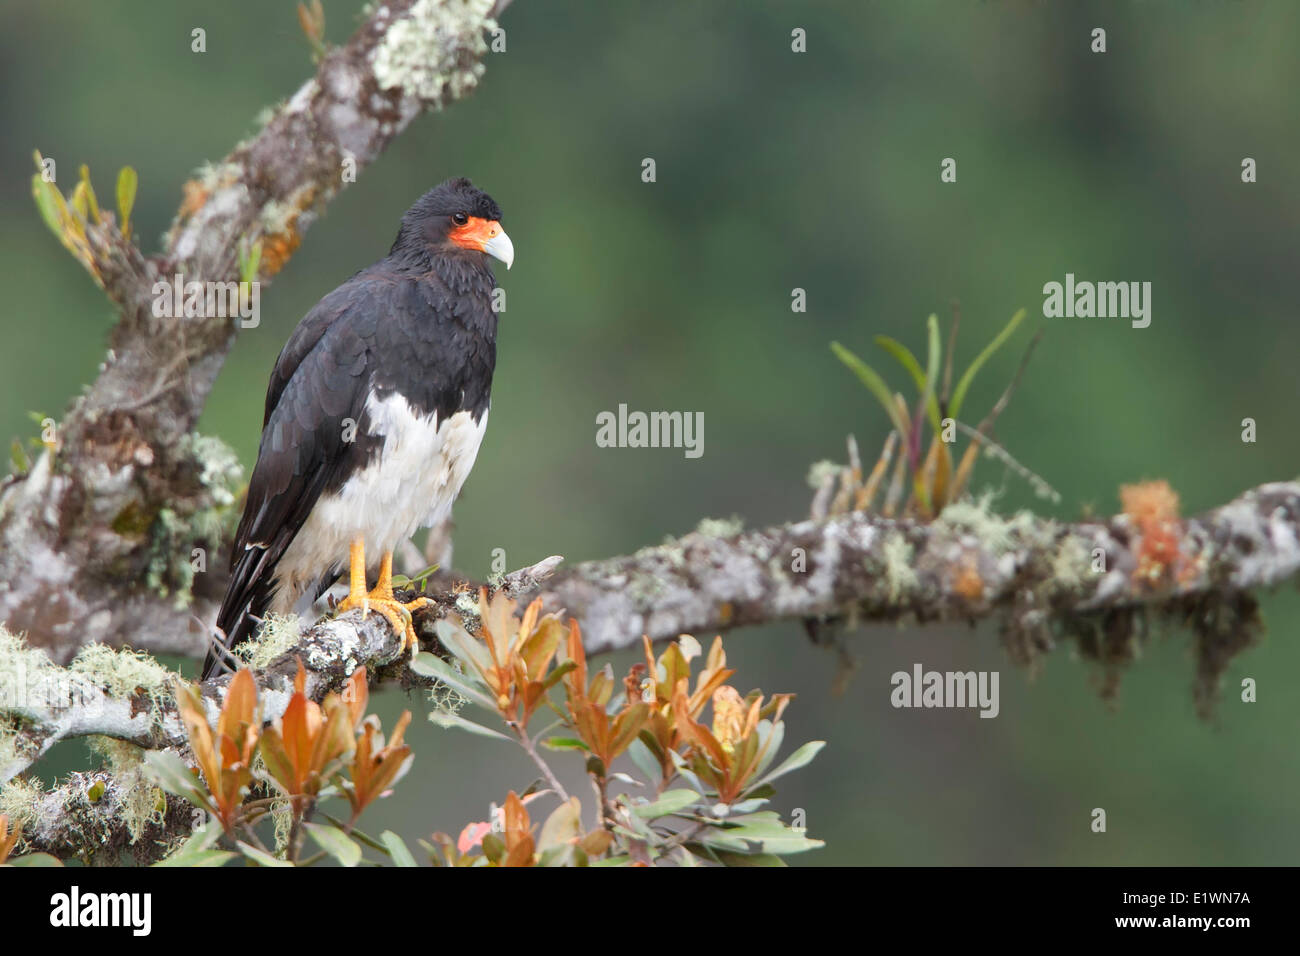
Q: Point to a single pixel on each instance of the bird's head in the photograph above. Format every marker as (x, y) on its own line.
(453, 218)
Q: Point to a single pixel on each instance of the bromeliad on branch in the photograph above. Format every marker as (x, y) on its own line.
(934, 483)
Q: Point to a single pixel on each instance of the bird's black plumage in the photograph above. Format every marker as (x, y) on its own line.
(418, 327)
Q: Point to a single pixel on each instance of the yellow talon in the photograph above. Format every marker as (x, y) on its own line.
(381, 599)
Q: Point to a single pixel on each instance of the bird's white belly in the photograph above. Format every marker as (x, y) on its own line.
(410, 483)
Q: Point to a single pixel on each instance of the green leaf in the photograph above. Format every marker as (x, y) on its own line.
(260, 857)
(770, 738)
(669, 802)
(336, 843)
(196, 851)
(759, 833)
(430, 665)
(22, 464)
(249, 261)
(906, 359)
(494, 847)
(684, 770)
(47, 205)
(564, 824)
(35, 859)
(397, 849)
(171, 773)
(455, 720)
(91, 200)
(934, 360)
(644, 760)
(959, 393)
(800, 758)
(473, 653)
(875, 384)
(127, 181)
(558, 672)
(357, 833)
(564, 743)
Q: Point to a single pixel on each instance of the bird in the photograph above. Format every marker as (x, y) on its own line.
(374, 415)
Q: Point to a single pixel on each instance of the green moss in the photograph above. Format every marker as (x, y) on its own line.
(132, 521)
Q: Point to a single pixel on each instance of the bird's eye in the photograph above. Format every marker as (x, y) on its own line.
(460, 219)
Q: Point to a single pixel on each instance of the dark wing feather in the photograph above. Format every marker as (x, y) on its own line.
(320, 379)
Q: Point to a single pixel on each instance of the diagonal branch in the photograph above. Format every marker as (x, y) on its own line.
(97, 541)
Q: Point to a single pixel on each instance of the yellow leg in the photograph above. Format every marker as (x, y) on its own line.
(381, 598)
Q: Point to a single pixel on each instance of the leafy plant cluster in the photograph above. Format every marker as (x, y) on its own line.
(925, 472)
(310, 754)
(684, 792)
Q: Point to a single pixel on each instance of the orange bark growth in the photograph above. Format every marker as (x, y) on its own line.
(969, 584)
(1153, 508)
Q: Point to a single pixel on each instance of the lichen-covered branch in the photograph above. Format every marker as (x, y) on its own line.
(98, 539)
(1095, 582)
(968, 564)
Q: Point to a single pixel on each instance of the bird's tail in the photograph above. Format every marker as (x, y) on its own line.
(247, 599)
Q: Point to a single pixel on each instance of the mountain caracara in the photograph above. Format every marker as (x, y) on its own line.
(374, 415)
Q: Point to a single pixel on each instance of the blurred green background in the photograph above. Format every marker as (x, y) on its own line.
(778, 170)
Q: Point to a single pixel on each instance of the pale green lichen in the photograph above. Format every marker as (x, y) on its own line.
(124, 673)
(220, 472)
(720, 527)
(997, 533)
(976, 516)
(170, 572)
(19, 799)
(645, 589)
(445, 699)
(671, 551)
(174, 535)
(140, 802)
(282, 818)
(467, 604)
(27, 676)
(15, 750)
(1071, 566)
(424, 53)
(278, 216)
(819, 472)
(17, 658)
(900, 577)
(213, 176)
(278, 634)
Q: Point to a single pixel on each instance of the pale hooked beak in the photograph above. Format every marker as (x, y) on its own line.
(499, 246)
(485, 235)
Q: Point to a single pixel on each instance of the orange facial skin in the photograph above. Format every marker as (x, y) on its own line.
(475, 233)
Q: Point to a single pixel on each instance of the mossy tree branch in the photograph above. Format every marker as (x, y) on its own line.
(96, 539)
(1090, 581)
